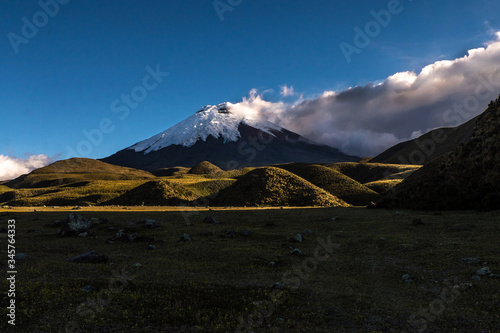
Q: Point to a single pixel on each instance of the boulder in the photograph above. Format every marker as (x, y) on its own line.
(91, 257)
(74, 225)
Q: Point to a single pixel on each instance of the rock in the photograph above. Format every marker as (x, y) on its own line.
(91, 257)
(186, 238)
(246, 233)
(334, 218)
(229, 233)
(496, 276)
(398, 213)
(406, 278)
(462, 286)
(75, 224)
(272, 264)
(89, 288)
(469, 260)
(34, 231)
(21, 256)
(112, 228)
(122, 236)
(210, 219)
(416, 222)
(137, 264)
(306, 232)
(296, 252)
(483, 271)
(96, 220)
(476, 278)
(132, 224)
(277, 285)
(297, 238)
(152, 247)
(76, 208)
(83, 234)
(383, 239)
(151, 224)
(57, 223)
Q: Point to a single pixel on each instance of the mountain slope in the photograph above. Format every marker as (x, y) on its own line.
(466, 178)
(428, 146)
(226, 139)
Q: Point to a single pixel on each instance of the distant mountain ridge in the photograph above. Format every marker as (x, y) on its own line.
(227, 139)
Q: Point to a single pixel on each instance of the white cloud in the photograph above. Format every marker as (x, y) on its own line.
(443, 94)
(287, 91)
(12, 167)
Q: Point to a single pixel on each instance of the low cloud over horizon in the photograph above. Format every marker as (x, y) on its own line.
(366, 120)
(13, 167)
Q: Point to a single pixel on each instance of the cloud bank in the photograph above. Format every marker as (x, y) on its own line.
(12, 167)
(365, 120)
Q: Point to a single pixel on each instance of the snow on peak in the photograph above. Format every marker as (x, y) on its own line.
(215, 120)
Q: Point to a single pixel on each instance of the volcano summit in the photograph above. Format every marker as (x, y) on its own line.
(221, 135)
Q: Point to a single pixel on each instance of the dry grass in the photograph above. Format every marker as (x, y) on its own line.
(208, 284)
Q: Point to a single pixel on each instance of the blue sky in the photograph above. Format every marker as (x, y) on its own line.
(63, 80)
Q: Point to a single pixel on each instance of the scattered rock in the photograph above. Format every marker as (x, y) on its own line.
(210, 219)
(57, 223)
(152, 247)
(462, 286)
(334, 218)
(112, 228)
(476, 278)
(407, 278)
(137, 264)
(92, 257)
(297, 238)
(186, 238)
(416, 222)
(296, 252)
(469, 260)
(151, 224)
(75, 224)
(272, 264)
(484, 271)
(21, 256)
(383, 239)
(306, 232)
(76, 208)
(277, 285)
(496, 276)
(83, 234)
(229, 233)
(89, 288)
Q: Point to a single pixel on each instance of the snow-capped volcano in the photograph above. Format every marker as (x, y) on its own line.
(227, 138)
(217, 121)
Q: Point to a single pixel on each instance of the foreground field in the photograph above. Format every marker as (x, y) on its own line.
(361, 271)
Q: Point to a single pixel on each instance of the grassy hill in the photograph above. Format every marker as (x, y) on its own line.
(270, 186)
(333, 182)
(467, 178)
(204, 168)
(370, 172)
(76, 170)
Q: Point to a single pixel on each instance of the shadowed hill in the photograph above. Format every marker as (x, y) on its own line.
(334, 182)
(204, 168)
(170, 172)
(154, 193)
(467, 178)
(370, 172)
(428, 146)
(270, 186)
(76, 170)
